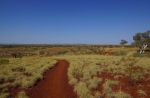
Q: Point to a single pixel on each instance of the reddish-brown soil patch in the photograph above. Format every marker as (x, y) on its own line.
(126, 85)
(54, 85)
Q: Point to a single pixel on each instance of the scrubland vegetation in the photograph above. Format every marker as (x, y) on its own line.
(22, 73)
(99, 76)
(52, 50)
(94, 71)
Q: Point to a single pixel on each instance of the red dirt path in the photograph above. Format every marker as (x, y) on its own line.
(54, 85)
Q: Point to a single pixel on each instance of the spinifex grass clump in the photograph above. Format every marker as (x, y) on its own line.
(109, 93)
(83, 73)
(132, 68)
(82, 90)
(93, 83)
(83, 76)
(107, 87)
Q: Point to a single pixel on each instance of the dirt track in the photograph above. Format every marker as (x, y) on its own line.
(54, 85)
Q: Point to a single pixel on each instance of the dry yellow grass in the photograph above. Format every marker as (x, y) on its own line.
(23, 72)
(84, 67)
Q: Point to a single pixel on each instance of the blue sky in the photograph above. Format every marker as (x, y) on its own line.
(72, 21)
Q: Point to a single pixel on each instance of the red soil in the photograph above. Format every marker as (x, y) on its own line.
(125, 85)
(54, 85)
